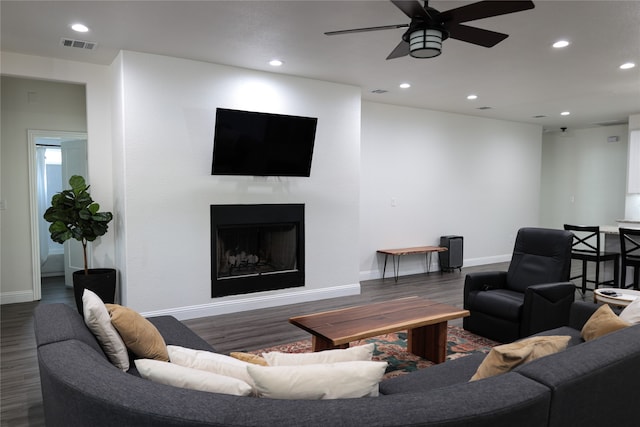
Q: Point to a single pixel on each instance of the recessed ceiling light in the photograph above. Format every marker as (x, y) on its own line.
(81, 28)
(627, 65)
(405, 85)
(275, 62)
(565, 113)
(472, 97)
(560, 44)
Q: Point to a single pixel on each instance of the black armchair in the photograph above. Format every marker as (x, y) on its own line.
(534, 295)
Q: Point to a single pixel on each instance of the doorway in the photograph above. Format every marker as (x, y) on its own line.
(54, 156)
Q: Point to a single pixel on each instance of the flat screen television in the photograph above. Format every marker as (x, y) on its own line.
(262, 144)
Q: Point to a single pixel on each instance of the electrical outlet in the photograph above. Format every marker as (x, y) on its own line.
(394, 202)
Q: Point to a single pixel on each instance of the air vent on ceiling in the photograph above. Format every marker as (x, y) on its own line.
(80, 44)
(378, 91)
(539, 116)
(483, 108)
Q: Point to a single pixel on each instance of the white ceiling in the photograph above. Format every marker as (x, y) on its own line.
(520, 78)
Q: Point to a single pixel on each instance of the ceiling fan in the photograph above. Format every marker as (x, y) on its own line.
(429, 27)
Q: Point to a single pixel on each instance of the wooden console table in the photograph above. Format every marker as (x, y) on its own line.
(397, 253)
(424, 320)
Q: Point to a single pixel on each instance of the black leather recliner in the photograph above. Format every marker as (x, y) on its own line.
(534, 295)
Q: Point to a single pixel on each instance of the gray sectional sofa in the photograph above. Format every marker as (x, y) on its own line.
(589, 384)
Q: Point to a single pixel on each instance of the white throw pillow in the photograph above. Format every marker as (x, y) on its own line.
(353, 354)
(323, 381)
(97, 319)
(210, 362)
(195, 379)
(631, 313)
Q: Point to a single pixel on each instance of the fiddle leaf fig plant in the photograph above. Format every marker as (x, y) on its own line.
(74, 215)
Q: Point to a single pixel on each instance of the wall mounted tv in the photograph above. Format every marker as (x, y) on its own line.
(262, 144)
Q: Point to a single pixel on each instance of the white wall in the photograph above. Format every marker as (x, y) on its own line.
(448, 174)
(168, 110)
(632, 200)
(584, 176)
(38, 105)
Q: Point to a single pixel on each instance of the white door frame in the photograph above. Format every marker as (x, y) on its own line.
(33, 200)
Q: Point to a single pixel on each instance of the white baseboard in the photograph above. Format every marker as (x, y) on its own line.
(15, 297)
(256, 302)
(472, 262)
(407, 271)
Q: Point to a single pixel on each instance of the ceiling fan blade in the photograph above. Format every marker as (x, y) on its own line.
(484, 9)
(362, 30)
(401, 50)
(411, 8)
(475, 35)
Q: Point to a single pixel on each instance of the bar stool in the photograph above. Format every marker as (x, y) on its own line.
(586, 248)
(630, 246)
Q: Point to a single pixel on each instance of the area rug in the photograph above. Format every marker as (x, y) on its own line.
(392, 348)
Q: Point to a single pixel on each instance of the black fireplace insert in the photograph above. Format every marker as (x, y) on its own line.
(256, 248)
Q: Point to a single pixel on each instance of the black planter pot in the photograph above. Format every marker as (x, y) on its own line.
(102, 281)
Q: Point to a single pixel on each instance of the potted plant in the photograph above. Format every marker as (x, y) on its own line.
(74, 215)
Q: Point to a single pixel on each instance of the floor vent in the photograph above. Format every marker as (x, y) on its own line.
(80, 44)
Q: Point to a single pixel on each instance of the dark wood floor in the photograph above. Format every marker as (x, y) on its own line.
(21, 400)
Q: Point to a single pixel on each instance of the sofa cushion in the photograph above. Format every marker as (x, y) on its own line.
(631, 313)
(602, 322)
(138, 334)
(357, 353)
(210, 362)
(98, 321)
(503, 303)
(451, 372)
(175, 332)
(576, 338)
(594, 383)
(195, 379)
(320, 381)
(504, 358)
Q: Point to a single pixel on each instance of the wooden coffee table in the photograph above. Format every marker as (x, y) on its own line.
(424, 320)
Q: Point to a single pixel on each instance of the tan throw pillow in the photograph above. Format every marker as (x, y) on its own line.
(249, 358)
(138, 334)
(358, 353)
(602, 322)
(322, 381)
(97, 320)
(194, 379)
(503, 358)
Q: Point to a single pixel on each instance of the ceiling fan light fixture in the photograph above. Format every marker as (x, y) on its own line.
(425, 43)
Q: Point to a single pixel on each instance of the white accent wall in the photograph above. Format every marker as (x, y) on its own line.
(426, 174)
(164, 151)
